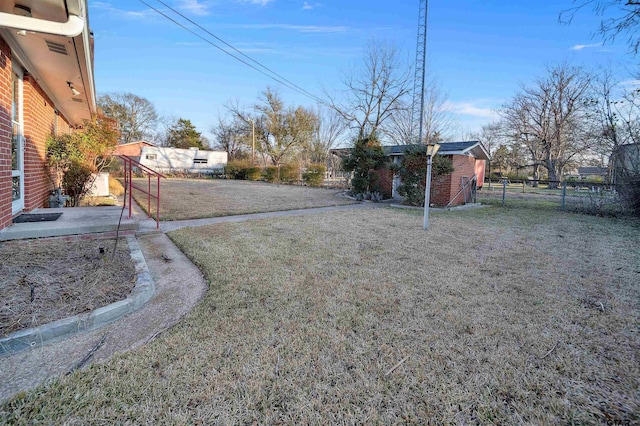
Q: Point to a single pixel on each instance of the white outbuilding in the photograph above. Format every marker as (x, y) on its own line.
(178, 160)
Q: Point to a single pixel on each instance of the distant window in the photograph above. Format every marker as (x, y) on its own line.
(200, 161)
(151, 157)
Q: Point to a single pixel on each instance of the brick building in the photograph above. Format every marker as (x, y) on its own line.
(132, 149)
(46, 87)
(457, 187)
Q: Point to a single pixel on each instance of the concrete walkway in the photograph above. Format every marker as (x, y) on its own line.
(179, 286)
(179, 224)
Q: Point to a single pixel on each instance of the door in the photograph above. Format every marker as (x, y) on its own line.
(17, 145)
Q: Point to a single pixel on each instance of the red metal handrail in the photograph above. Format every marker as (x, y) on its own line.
(129, 164)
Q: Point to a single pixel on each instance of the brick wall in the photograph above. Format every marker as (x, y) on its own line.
(132, 150)
(444, 188)
(480, 169)
(39, 118)
(5, 134)
(39, 123)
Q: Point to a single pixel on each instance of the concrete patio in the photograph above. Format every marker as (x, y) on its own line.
(73, 221)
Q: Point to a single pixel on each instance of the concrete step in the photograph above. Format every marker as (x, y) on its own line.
(74, 221)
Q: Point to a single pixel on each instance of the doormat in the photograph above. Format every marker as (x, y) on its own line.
(37, 217)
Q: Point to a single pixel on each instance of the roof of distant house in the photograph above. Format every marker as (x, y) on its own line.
(471, 148)
(136, 142)
(594, 171)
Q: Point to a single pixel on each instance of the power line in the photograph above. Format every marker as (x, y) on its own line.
(276, 77)
(240, 52)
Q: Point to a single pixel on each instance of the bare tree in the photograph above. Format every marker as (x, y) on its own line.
(161, 135)
(438, 122)
(518, 118)
(630, 114)
(231, 135)
(626, 19)
(327, 133)
(375, 91)
(549, 118)
(492, 136)
(136, 116)
(282, 130)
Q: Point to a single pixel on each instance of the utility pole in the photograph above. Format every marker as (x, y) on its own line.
(253, 144)
(253, 136)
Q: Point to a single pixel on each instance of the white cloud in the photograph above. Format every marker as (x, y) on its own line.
(630, 83)
(585, 46)
(471, 109)
(195, 7)
(258, 2)
(108, 7)
(300, 28)
(309, 6)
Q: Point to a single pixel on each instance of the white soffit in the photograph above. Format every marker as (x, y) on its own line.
(55, 60)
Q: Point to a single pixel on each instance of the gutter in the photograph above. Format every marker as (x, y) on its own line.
(72, 28)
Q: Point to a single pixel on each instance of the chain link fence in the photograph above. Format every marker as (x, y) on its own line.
(595, 198)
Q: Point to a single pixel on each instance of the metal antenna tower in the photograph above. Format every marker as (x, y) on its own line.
(417, 112)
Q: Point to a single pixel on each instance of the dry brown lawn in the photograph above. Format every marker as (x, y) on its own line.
(46, 280)
(200, 198)
(491, 317)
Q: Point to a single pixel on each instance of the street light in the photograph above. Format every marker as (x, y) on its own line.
(432, 149)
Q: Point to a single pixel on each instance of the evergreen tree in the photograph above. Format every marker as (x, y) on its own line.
(183, 134)
(365, 158)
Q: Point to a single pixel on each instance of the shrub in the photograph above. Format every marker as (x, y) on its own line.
(413, 172)
(237, 169)
(76, 181)
(289, 172)
(594, 179)
(626, 161)
(314, 176)
(629, 189)
(270, 174)
(115, 186)
(366, 156)
(75, 158)
(254, 173)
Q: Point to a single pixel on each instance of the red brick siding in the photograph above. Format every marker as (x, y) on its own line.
(444, 188)
(5, 134)
(480, 167)
(132, 150)
(39, 117)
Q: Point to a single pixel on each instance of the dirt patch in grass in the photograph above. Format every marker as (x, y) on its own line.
(200, 198)
(491, 317)
(46, 280)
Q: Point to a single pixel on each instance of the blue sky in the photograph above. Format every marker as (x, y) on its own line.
(480, 52)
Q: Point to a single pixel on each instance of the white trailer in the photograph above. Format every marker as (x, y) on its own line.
(178, 160)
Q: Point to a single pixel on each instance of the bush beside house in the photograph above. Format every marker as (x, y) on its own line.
(314, 176)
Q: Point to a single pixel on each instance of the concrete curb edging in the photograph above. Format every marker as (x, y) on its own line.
(141, 293)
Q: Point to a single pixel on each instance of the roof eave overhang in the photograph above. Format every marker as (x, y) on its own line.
(476, 151)
(83, 56)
